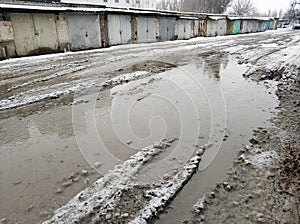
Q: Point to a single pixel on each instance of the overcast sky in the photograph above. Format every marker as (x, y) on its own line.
(264, 5)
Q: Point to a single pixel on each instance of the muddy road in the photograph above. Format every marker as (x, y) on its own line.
(128, 130)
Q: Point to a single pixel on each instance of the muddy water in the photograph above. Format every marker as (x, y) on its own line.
(204, 102)
(248, 105)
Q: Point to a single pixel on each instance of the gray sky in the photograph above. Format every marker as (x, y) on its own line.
(264, 5)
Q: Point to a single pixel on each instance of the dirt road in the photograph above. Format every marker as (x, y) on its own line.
(67, 120)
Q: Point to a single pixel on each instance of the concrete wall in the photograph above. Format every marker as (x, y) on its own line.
(62, 32)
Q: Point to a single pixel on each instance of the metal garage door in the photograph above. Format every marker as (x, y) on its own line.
(84, 31)
(119, 29)
(125, 25)
(163, 29)
(188, 31)
(46, 34)
(114, 29)
(152, 27)
(146, 29)
(167, 28)
(25, 40)
(181, 29)
(171, 29)
(142, 29)
(196, 28)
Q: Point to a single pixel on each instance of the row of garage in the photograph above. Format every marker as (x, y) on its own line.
(39, 30)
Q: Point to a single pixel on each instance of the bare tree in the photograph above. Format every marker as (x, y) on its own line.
(173, 5)
(205, 6)
(243, 8)
(280, 13)
(292, 12)
(274, 13)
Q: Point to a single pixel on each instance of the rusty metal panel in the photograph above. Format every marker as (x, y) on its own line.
(6, 31)
(45, 32)
(125, 24)
(133, 28)
(152, 29)
(142, 29)
(104, 30)
(202, 28)
(24, 31)
(114, 29)
(84, 31)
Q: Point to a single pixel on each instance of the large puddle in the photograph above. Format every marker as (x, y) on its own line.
(204, 102)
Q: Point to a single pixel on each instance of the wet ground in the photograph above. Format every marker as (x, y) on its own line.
(68, 119)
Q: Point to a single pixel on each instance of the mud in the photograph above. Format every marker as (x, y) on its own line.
(69, 119)
(264, 178)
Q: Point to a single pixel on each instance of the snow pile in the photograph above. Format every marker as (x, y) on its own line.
(33, 96)
(263, 159)
(106, 189)
(102, 201)
(44, 79)
(161, 196)
(200, 204)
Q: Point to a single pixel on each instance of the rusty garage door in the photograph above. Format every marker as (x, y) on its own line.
(6, 31)
(84, 31)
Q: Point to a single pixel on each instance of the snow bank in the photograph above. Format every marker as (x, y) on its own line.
(161, 196)
(105, 190)
(33, 96)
